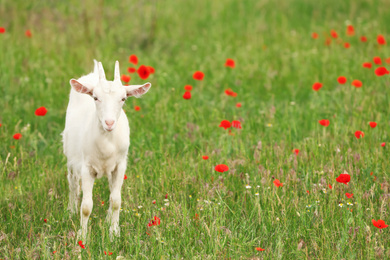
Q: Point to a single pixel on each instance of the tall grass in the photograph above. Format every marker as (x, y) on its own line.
(207, 215)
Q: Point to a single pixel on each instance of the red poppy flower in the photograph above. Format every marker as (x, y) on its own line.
(379, 224)
(187, 95)
(359, 134)
(387, 60)
(125, 177)
(363, 38)
(81, 244)
(314, 35)
(373, 124)
(154, 201)
(308, 192)
(277, 183)
(131, 69)
(350, 30)
(205, 157)
(230, 63)
(380, 71)
(357, 83)
(344, 178)
(324, 122)
(347, 45)
(0, 125)
(330, 186)
(383, 144)
(188, 87)
(236, 124)
(133, 59)
(377, 60)
(45, 220)
(125, 78)
(143, 72)
(2, 30)
(380, 39)
(342, 80)
(296, 151)
(17, 136)
(40, 111)
(238, 105)
(151, 69)
(317, 86)
(229, 92)
(221, 168)
(166, 196)
(198, 75)
(333, 33)
(225, 124)
(137, 108)
(154, 222)
(328, 41)
(259, 249)
(367, 65)
(28, 33)
(349, 195)
(54, 252)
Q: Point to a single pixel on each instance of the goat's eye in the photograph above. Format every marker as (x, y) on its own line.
(123, 99)
(95, 98)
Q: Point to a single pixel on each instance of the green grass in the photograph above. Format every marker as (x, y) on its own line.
(277, 62)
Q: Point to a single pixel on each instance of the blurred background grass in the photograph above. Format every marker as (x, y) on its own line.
(277, 62)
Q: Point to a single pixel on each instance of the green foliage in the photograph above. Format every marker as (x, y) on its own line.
(208, 215)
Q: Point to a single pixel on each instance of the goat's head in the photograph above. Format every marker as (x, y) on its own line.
(109, 96)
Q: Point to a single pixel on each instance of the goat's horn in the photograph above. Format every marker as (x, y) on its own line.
(102, 76)
(117, 76)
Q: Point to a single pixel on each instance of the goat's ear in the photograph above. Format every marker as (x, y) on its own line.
(137, 90)
(80, 87)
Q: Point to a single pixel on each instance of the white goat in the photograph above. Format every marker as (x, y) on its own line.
(96, 140)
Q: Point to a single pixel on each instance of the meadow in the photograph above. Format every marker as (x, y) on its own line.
(175, 205)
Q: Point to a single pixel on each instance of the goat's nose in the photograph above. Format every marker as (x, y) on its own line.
(109, 123)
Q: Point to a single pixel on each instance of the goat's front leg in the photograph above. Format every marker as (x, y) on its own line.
(115, 183)
(87, 181)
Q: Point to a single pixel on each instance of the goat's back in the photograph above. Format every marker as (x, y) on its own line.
(79, 113)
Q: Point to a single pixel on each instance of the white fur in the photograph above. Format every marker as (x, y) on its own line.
(96, 140)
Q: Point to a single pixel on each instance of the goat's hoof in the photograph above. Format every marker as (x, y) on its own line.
(79, 234)
(82, 236)
(115, 231)
(109, 217)
(72, 209)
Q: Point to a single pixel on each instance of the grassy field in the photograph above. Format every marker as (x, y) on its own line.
(204, 214)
